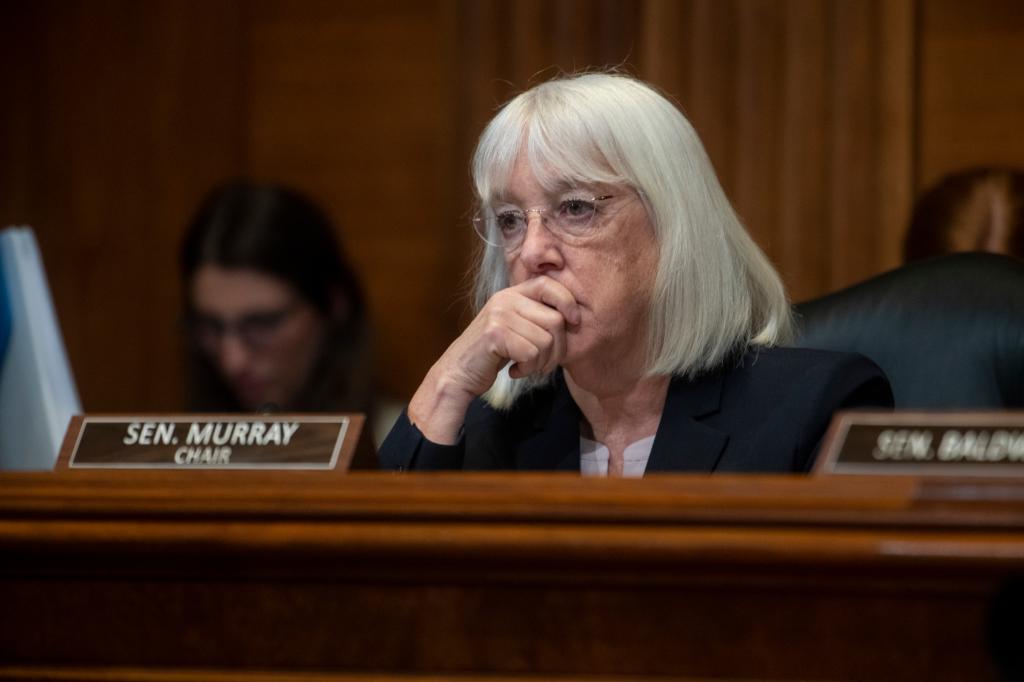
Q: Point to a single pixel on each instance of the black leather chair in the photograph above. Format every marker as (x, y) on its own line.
(948, 331)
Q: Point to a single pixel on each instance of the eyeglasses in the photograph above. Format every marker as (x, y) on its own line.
(255, 330)
(572, 218)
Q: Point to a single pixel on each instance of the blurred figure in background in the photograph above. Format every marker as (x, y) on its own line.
(981, 209)
(275, 315)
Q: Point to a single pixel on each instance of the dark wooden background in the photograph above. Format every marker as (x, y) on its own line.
(823, 118)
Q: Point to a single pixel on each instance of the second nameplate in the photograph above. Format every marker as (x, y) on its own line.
(925, 443)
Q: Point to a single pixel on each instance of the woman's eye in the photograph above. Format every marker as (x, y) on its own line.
(508, 221)
(262, 322)
(577, 208)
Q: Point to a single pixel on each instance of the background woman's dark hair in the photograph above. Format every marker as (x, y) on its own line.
(978, 209)
(278, 231)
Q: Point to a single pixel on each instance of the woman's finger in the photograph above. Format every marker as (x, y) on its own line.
(552, 294)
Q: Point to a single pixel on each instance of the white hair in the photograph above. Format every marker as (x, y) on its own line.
(715, 292)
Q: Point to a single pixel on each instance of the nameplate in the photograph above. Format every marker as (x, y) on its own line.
(924, 443)
(267, 442)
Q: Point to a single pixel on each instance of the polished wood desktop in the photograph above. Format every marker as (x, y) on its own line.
(256, 576)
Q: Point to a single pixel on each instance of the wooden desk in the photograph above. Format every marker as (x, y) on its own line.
(249, 576)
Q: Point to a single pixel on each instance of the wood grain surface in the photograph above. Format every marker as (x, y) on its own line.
(540, 576)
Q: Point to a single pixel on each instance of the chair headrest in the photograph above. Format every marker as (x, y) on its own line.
(948, 331)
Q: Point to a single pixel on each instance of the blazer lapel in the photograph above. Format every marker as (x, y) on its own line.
(555, 439)
(682, 442)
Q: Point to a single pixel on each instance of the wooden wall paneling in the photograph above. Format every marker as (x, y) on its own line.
(352, 103)
(803, 108)
(197, 91)
(589, 34)
(851, 201)
(541, 38)
(850, 223)
(709, 94)
(896, 87)
(847, 145)
(822, 119)
(870, 140)
(22, 23)
(530, 42)
(618, 34)
(129, 107)
(665, 31)
(803, 167)
(971, 86)
(759, 81)
(508, 47)
(846, 142)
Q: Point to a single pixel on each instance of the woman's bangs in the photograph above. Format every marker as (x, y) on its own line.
(495, 155)
(563, 151)
(563, 145)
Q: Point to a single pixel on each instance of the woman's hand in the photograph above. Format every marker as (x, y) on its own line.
(524, 324)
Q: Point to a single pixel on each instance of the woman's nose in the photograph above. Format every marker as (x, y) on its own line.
(232, 355)
(540, 250)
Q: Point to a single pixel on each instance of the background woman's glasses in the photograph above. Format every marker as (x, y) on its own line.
(254, 330)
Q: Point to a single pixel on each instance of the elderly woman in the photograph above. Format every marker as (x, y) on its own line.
(626, 321)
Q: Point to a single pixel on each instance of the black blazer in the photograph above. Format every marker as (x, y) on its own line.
(766, 412)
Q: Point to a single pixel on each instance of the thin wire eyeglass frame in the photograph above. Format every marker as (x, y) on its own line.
(481, 223)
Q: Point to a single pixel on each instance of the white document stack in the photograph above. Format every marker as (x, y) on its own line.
(37, 389)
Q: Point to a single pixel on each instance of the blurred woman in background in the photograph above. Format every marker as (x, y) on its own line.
(978, 209)
(276, 318)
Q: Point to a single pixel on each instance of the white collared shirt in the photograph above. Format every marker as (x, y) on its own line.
(594, 457)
